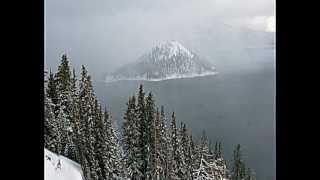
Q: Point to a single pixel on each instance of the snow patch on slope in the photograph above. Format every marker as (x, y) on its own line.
(60, 168)
(174, 48)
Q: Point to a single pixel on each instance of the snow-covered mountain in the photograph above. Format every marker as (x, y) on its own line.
(60, 168)
(169, 60)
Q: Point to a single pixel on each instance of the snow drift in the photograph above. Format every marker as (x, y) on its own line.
(60, 168)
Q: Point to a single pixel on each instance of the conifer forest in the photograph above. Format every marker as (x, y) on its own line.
(150, 144)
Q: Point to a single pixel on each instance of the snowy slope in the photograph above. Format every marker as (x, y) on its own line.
(169, 60)
(69, 170)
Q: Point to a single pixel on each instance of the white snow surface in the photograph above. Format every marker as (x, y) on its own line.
(68, 170)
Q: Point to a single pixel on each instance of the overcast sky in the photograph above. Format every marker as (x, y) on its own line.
(104, 34)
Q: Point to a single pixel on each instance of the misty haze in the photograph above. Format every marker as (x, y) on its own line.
(210, 62)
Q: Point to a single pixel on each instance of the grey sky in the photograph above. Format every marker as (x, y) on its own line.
(104, 34)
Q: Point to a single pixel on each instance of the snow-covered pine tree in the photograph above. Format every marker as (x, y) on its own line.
(74, 119)
(87, 138)
(197, 154)
(51, 92)
(193, 154)
(163, 144)
(130, 140)
(174, 156)
(90, 134)
(63, 80)
(150, 130)
(186, 153)
(155, 148)
(121, 171)
(62, 128)
(201, 173)
(143, 139)
(82, 123)
(209, 168)
(102, 144)
(51, 129)
(221, 171)
(114, 151)
(99, 139)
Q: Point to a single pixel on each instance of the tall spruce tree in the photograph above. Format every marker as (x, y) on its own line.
(143, 131)
(174, 157)
(194, 155)
(114, 151)
(74, 119)
(155, 148)
(163, 144)
(99, 138)
(87, 137)
(63, 80)
(102, 145)
(131, 140)
(150, 138)
(186, 153)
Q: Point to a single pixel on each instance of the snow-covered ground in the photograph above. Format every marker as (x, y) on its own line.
(65, 170)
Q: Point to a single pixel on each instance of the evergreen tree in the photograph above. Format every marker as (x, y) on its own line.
(144, 133)
(174, 161)
(64, 74)
(163, 145)
(100, 140)
(209, 167)
(238, 170)
(155, 148)
(74, 119)
(221, 164)
(216, 151)
(194, 155)
(51, 131)
(63, 82)
(201, 172)
(51, 92)
(102, 145)
(219, 150)
(87, 138)
(130, 140)
(114, 151)
(150, 137)
(186, 165)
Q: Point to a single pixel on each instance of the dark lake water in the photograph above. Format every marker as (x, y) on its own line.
(235, 108)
